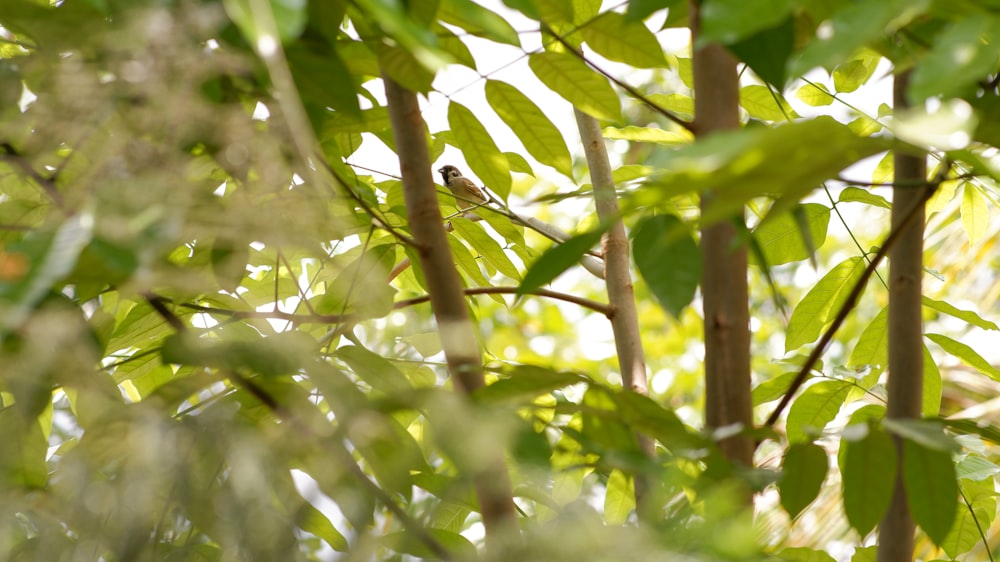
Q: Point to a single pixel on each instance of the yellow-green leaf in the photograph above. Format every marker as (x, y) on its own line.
(488, 248)
(540, 137)
(975, 213)
(569, 77)
(614, 38)
(619, 499)
(479, 150)
(815, 95)
(763, 103)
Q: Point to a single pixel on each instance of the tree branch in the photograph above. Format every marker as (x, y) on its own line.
(852, 297)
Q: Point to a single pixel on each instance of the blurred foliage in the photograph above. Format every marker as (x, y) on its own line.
(201, 359)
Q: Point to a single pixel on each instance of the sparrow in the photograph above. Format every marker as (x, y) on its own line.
(467, 194)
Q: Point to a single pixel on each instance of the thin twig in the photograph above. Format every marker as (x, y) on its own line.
(852, 299)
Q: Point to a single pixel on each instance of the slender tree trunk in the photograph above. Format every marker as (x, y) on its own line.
(906, 357)
(724, 268)
(458, 335)
(618, 276)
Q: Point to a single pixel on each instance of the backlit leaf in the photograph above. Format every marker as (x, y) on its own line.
(668, 259)
(931, 489)
(540, 137)
(567, 76)
(816, 308)
(869, 476)
(816, 407)
(479, 149)
(614, 38)
(802, 473)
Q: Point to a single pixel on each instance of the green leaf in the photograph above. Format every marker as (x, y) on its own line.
(479, 150)
(858, 195)
(540, 137)
(780, 237)
(802, 474)
(971, 521)
(323, 80)
(465, 261)
(816, 95)
(772, 389)
(969, 316)
(804, 554)
(648, 134)
(619, 40)
(478, 21)
(407, 542)
(558, 259)
(767, 52)
(763, 103)
(313, 521)
(487, 247)
(567, 76)
(926, 433)
(727, 21)
(374, 369)
(287, 16)
(932, 386)
(966, 354)
(975, 213)
(850, 75)
(619, 498)
(400, 65)
(817, 307)
(738, 166)
(975, 467)
(519, 164)
(869, 476)
(872, 347)
(523, 383)
(22, 452)
(639, 10)
(853, 26)
(669, 260)
(678, 104)
(960, 56)
(814, 408)
(931, 489)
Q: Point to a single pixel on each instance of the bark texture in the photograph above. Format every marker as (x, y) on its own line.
(618, 277)
(906, 357)
(724, 268)
(457, 333)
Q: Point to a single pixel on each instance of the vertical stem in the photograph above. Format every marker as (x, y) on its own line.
(618, 276)
(724, 267)
(458, 335)
(906, 357)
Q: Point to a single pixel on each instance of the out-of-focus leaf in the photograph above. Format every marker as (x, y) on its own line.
(858, 195)
(374, 369)
(619, 498)
(668, 259)
(772, 389)
(802, 475)
(931, 488)
(767, 51)
(648, 134)
(815, 95)
(525, 382)
(313, 521)
(22, 451)
(478, 21)
(567, 76)
(763, 103)
(639, 10)
(612, 36)
(779, 162)
(323, 79)
(479, 149)
(727, 21)
(959, 57)
(933, 386)
(853, 26)
(869, 475)
(968, 527)
(558, 259)
(781, 238)
(287, 16)
(975, 213)
(850, 75)
(406, 542)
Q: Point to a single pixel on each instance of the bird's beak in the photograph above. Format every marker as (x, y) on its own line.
(440, 170)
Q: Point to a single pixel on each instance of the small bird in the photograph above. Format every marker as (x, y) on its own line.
(467, 194)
